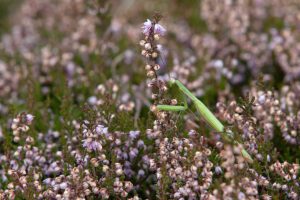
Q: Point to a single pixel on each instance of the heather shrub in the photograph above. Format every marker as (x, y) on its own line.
(149, 99)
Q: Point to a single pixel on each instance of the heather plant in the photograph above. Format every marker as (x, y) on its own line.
(149, 99)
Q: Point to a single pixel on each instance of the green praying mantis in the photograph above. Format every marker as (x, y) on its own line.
(206, 114)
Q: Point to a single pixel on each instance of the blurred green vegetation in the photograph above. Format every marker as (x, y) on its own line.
(7, 7)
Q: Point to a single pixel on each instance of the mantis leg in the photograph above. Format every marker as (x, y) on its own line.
(209, 117)
(201, 108)
(171, 108)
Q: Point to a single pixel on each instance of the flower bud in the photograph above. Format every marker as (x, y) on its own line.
(148, 46)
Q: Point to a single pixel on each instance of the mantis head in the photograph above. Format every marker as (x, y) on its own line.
(171, 82)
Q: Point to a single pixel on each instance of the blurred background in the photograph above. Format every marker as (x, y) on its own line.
(212, 47)
(69, 62)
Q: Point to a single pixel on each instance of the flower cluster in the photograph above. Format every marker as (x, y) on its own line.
(158, 86)
(156, 28)
(189, 179)
(20, 125)
(95, 128)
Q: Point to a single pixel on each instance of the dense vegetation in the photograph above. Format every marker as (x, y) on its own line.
(81, 83)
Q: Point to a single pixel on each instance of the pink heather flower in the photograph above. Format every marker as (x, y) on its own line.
(29, 118)
(134, 134)
(101, 130)
(218, 170)
(158, 29)
(47, 181)
(92, 100)
(133, 153)
(160, 48)
(63, 185)
(141, 173)
(147, 26)
(91, 144)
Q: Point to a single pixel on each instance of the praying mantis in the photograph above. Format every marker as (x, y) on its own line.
(204, 112)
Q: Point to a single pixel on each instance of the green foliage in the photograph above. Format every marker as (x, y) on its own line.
(6, 9)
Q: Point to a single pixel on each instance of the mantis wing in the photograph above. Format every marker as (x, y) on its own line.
(202, 109)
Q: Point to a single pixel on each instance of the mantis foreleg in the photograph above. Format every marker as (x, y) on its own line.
(204, 112)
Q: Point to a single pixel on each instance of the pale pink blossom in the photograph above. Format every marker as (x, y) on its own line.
(147, 27)
(158, 29)
(29, 118)
(91, 145)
